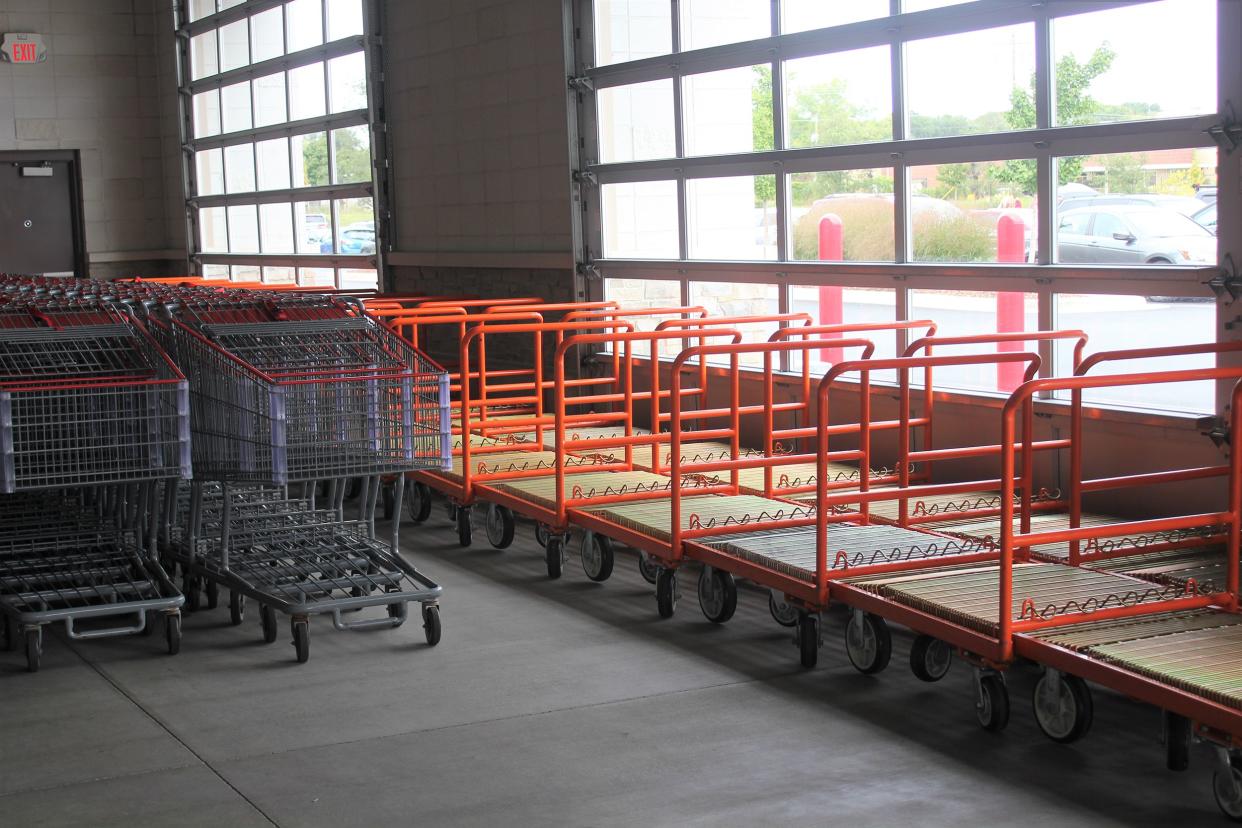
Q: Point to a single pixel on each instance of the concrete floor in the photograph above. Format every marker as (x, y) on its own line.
(549, 703)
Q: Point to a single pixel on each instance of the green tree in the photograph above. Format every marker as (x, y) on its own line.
(1123, 173)
(762, 135)
(1074, 105)
(353, 157)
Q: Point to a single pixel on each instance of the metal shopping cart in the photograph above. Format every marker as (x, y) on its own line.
(93, 416)
(287, 393)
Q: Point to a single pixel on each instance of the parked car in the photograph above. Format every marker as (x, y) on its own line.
(1185, 205)
(1206, 193)
(356, 239)
(1207, 217)
(1132, 234)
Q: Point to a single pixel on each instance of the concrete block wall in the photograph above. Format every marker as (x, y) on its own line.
(107, 89)
(476, 111)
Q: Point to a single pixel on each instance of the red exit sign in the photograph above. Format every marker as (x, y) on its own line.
(23, 47)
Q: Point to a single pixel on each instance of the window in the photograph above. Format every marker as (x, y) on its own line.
(322, 138)
(742, 167)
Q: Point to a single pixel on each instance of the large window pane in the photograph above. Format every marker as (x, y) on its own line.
(243, 229)
(344, 18)
(313, 224)
(310, 159)
(355, 226)
(998, 63)
(213, 232)
(636, 122)
(646, 293)
(269, 100)
(267, 35)
(732, 218)
(740, 299)
(846, 306)
(239, 168)
(279, 276)
(201, 8)
(1124, 322)
(276, 224)
(207, 114)
(841, 98)
(639, 221)
(304, 21)
(272, 162)
(801, 15)
(358, 278)
(306, 92)
(351, 155)
(859, 202)
(249, 273)
(968, 313)
(714, 22)
(347, 83)
(728, 111)
(209, 169)
(1135, 208)
(235, 101)
(1136, 62)
(631, 29)
(957, 211)
(204, 60)
(234, 45)
(212, 271)
(316, 277)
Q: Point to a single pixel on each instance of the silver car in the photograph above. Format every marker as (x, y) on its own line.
(1131, 235)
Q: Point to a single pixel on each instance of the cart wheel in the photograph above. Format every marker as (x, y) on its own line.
(267, 617)
(431, 625)
(499, 525)
(808, 639)
(783, 612)
(597, 557)
(554, 556)
(450, 509)
(717, 594)
(541, 534)
(992, 707)
(34, 648)
(417, 502)
(930, 658)
(463, 525)
(301, 638)
(868, 642)
(666, 592)
(647, 566)
(237, 607)
(212, 591)
(1063, 707)
(172, 632)
(1177, 736)
(390, 505)
(189, 588)
(1227, 786)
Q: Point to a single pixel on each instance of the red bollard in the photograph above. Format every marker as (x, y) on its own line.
(1010, 307)
(831, 249)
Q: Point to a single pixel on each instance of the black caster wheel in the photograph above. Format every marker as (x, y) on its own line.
(417, 502)
(1227, 786)
(172, 632)
(34, 648)
(930, 658)
(450, 509)
(463, 526)
(431, 625)
(267, 618)
(783, 612)
(553, 553)
(399, 610)
(301, 638)
(597, 557)
(541, 534)
(648, 567)
(499, 526)
(189, 588)
(717, 594)
(868, 642)
(1177, 738)
(992, 706)
(1062, 706)
(389, 499)
(808, 640)
(212, 593)
(666, 592)
(237, 607)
